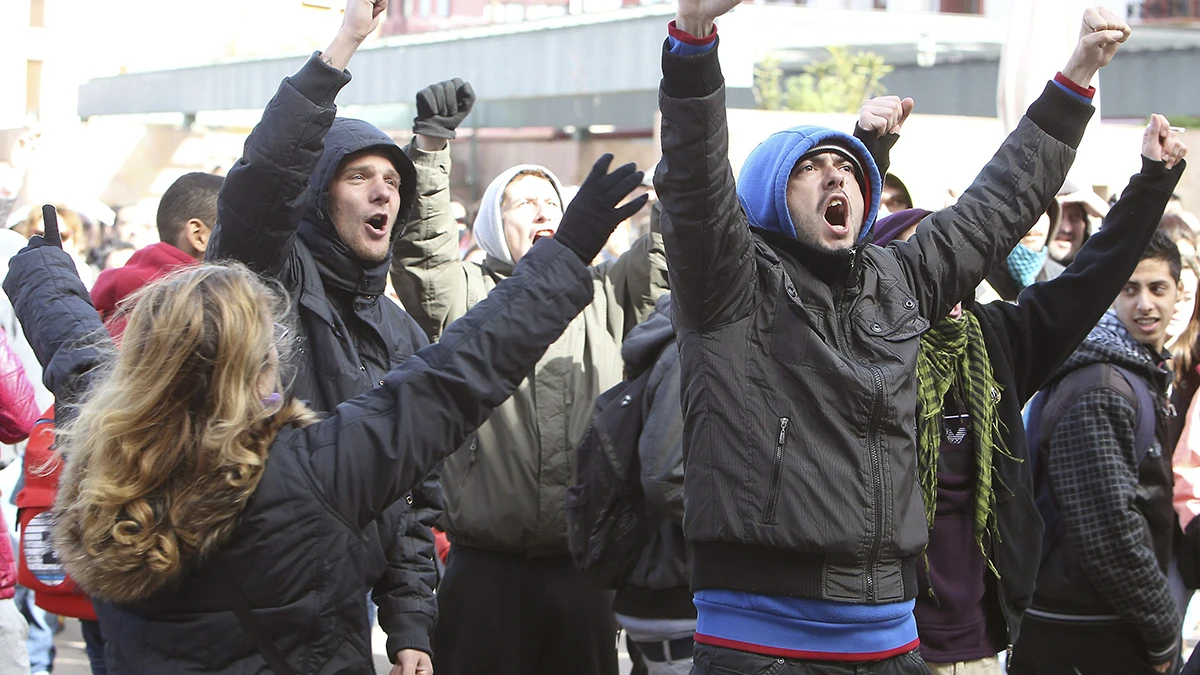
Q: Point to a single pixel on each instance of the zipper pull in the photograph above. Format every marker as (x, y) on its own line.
(783, 424)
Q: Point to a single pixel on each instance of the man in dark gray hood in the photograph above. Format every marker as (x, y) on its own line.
(315, 203)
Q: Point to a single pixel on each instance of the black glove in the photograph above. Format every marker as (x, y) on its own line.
(49, 236)
(593, 213)
(442, 107)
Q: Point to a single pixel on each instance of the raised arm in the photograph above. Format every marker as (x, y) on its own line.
(254, 208)
(947, 260)
(1053, 317)
(637, 279)
(878, 127)
(709, 249)
(429, 276)
(56, 313)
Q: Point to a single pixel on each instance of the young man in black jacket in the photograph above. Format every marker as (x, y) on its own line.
(1103, 603)
(798, 344)
(978, 572)
(316, 202)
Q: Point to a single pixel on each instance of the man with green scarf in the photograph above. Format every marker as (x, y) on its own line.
(975, 370)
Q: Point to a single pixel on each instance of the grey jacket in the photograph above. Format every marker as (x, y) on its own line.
(505, 490)
(798, 367)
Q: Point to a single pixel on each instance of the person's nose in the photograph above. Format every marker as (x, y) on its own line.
(539, 216)
(834, 177)
(1145, 303)
(381, 192)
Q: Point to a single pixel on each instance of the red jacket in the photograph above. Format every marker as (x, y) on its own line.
(148, 264)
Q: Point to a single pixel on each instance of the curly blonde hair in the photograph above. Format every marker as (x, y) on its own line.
(173, 436)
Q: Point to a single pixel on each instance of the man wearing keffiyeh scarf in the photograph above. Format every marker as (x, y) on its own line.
(976, 369)
(953, 361)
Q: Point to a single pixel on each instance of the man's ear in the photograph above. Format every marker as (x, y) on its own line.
(197, 233)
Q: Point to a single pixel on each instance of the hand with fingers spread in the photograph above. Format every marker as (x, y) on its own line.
(594, 214)
(884, 115)
(1099, 37)
(442, 107)
(696, 17)
(1161, 144)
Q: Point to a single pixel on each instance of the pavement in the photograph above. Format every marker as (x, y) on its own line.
(71, 658)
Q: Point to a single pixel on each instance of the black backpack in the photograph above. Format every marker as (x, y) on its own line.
(607, 524)
(1049, 405)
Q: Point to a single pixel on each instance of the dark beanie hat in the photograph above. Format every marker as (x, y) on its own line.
(887, 229)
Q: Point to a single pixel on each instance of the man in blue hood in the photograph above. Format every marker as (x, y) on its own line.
(798, 343)
(316, 203)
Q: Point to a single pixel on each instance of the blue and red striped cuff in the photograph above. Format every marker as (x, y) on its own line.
(686, 44)
(1082, 94)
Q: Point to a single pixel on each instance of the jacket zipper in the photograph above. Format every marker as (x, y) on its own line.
(776, 474)
(1008, 632)
(877, 479)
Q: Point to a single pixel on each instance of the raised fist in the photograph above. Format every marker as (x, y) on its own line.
(362, 17)
(884, 115)
(442, 107)
(1161, 144)
(1101, 34)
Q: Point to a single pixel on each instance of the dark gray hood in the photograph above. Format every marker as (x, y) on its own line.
(646, 340)
(339, 266)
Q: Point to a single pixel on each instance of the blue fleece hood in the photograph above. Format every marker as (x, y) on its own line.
(762, 183)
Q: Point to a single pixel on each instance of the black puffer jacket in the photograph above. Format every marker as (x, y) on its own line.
(273, 215)
(301, 553)
(659, 587)
(798, 377)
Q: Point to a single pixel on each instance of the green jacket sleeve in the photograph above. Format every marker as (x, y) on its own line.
(429, 276)
(636, 280)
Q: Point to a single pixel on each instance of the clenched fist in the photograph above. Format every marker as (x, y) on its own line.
(1161, 144)
(884, 115)
(1100, 35)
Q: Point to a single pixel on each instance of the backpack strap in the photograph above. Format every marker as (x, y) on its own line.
(1146, 410)
(266, 648)
(1049, 405)
(1047, 408)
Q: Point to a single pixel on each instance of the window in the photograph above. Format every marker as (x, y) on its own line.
(961, 7)
(37, 13)
(443, 8)
(423, 7)
(33, 86)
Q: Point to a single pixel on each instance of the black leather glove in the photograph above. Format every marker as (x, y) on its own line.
(50, 235)
(442, 107)
(593, 213)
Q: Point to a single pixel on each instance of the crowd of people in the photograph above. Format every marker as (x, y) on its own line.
(859, 436)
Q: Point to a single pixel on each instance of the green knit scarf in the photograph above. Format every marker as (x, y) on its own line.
(953, 354)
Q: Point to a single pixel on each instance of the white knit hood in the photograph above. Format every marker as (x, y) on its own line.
(489, 226)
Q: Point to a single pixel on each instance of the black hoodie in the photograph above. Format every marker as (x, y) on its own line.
(273, 215)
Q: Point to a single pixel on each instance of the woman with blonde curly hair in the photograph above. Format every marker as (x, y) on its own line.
(216, 523)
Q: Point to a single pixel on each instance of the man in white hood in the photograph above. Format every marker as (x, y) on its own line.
(512, 600)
